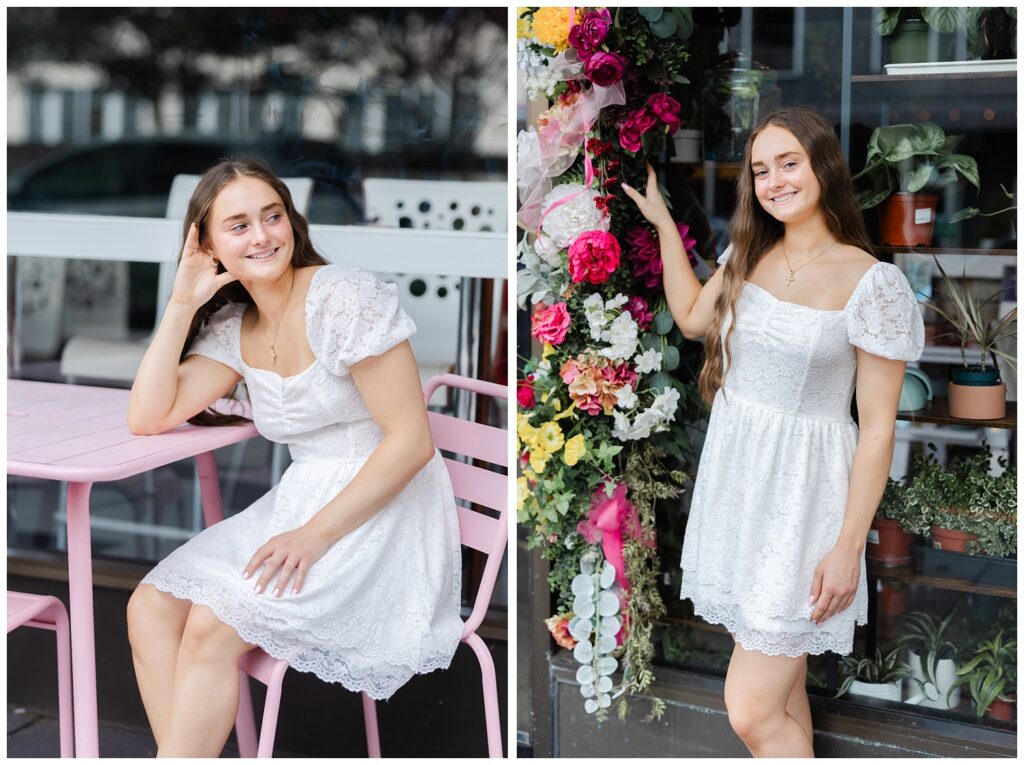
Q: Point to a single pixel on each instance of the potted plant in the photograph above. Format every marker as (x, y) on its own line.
(970, 509)
(880, 677)
(991, 675)
(932, 659)
(906, 165)
(991, 32)
(908, 28)
(895, 524)
(976, 391)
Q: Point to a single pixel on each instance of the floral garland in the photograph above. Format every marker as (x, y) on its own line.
(600, 418)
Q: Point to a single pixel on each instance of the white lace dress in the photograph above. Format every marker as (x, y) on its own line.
(770, 492)
(383, 603)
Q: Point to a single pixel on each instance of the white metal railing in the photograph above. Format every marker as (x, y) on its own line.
(480, 254)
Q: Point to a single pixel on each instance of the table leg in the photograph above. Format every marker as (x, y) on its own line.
(83, 646)
(209, 487)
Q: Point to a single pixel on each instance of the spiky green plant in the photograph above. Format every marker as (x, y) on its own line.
(991, 674)
(885, 667)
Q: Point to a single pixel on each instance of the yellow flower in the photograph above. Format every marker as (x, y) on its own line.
(522, 492)
(549, 437)
(575, 448)
(524, 429)
(522, 25)
(538, 459)
(551, 27)
(549, 350)
(570, 412)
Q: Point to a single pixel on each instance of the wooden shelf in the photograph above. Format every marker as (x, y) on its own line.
(1008, 78)
(907, 575)
(937, 411)
(887, 250)
(960, 84)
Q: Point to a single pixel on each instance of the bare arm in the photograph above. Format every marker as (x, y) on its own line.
(690, 303)
(389, 385)
(166, 393)
(879, 381)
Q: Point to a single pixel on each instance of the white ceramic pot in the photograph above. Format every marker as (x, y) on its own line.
(687, 146)
(889, 691)
(931, 695)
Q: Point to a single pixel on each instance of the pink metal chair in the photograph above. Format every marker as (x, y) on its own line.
(482, 532)
(48, 613)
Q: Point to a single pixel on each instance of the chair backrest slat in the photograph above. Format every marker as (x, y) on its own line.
(474, 484)
(472, 439)
(477, 530)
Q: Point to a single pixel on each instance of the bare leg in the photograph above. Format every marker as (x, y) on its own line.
(205, 698)
(798, 707)
(757, 689)
(156, 621)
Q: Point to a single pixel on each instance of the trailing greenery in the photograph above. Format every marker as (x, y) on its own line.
(894, 507)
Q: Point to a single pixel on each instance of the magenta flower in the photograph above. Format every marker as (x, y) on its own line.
(637, 308)
(645, 254)
(587, 36)
(594, 256)
(604, 69)
(667, 109)
(632, 130)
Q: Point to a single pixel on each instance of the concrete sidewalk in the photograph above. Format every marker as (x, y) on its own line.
(34, 733)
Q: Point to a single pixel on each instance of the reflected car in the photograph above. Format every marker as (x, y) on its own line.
(133, 177)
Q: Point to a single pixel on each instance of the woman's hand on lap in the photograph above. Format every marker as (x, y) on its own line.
(293, 552)
(835, 583)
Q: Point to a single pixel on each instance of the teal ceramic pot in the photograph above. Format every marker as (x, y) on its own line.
(917, 390)
(974, 376)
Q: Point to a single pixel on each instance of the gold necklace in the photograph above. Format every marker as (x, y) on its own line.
(288, 302)
(792, 272)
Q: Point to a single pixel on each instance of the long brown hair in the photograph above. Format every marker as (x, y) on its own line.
(752, 231)
(198, 212)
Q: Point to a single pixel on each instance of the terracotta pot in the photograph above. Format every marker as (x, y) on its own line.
(977, 402)
(950, 540)
(889, 544)
(908, 220)
(1003, 710)
(894, 602)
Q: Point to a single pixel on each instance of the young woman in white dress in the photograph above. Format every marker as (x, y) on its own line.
(785, 491)
(349, 567)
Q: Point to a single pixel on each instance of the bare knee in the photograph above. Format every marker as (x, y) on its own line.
(154, 613)
(750, 717)
(207, 639)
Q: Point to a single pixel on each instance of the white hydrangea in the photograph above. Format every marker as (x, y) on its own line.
(547, 250)
(652, 420)
(622, 336)
(626, 398)
(648, 361)
(566, 222)
(537, 76)
(543, 369)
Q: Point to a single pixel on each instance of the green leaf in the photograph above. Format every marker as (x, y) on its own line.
(660, 382)
(967, 212)
(916, 179)
(670, 358)
(887, 21)
(663, 323)
(665, 26)
(680, 79)
(651, 341)
(684, 19)
(943, 19)
(651, 14)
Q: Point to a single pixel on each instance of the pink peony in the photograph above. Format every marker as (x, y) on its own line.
(638, 309)
(666, 108)
(604, 69)
(550, 325)
(587, 36)
(593, 257)
(594, 383)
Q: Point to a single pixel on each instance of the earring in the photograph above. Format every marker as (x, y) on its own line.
(213, 261)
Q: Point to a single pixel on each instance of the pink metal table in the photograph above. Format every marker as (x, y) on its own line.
(80, 434)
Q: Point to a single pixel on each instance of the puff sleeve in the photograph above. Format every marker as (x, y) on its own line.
(219, 338)
(883, 316)
(354, 316)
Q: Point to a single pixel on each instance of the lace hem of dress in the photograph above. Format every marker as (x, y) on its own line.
(379, 682)
(792, 644)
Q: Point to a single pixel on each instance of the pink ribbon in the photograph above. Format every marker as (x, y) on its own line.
(610, 521)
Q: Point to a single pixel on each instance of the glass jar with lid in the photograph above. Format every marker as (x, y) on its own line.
(738, 92)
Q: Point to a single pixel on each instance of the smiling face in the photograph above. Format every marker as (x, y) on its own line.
(784, 182)
(248, 230)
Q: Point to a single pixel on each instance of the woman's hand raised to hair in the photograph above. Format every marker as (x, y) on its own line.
(652, 205)
(197, 279)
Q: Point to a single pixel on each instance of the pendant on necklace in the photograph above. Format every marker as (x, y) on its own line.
(273, 355)
(791, 278)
